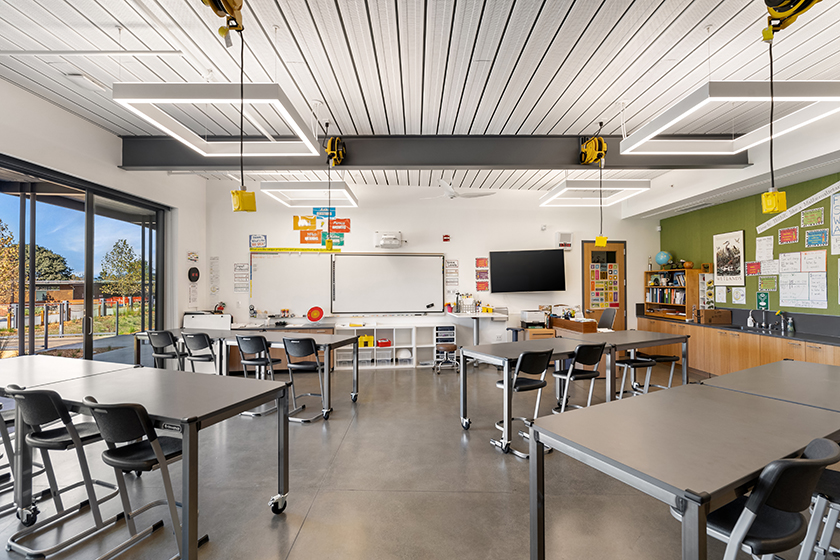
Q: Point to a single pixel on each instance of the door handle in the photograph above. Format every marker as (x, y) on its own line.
(589, 311)
(90, 325)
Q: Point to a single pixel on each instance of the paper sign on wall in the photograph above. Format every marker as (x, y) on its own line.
(813, 217)
(310, 237)
(256, 241)
(813, 261)
(789, 235)
(483, 286)
(739, 296)
(337, 238)
(816, 238)
(790, 262)
(762, 301)
(324, 211)
(770, 267)
(720, 294)
(304, 222)
(768, 283)
(241, 267)
(764, 248)
(340, 225)
(803, 289)
(753, 268)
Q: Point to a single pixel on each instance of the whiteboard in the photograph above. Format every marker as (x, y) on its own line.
(294, 281)
(387, 283)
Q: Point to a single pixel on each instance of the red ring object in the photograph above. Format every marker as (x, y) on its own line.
(315, 314)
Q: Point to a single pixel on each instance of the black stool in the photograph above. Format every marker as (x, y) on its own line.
(662, 359)
(634, 364)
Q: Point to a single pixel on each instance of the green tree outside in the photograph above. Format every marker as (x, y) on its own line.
(121, 268)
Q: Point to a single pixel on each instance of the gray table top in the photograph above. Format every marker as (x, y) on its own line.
(803, 383)
(173, 396)
(692, 437)
(32, 371)
(276, 338)
(561, 347)
(627, 339)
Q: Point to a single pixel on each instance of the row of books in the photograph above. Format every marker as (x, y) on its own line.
(668, 295)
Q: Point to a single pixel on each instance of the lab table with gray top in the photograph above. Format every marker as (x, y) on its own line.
(505, 355)
(805, 383)
(178, 401)
(695, 448)
(620, 341)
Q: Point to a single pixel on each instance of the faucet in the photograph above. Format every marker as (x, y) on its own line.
(763, 319)
(784, 321)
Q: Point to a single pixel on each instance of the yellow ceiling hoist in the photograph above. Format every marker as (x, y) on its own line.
(335, 150)
(593, 150)
(232, 11)
(783, 13)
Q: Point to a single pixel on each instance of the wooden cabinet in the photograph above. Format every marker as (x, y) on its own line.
(822, 354)
(743, 351)
(696, 346)
(715, 344)
(774, 349)
(536, 334)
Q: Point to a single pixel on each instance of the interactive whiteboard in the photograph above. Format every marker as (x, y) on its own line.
(295, 281)
(387, 283)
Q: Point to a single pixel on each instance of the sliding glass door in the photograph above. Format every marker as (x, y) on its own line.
(80, 272)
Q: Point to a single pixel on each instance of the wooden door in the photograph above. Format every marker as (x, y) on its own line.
(603, 281)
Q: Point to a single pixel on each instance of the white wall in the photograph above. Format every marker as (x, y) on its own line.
(509, 220)
(37, 131)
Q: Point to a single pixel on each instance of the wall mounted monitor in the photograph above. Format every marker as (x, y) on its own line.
(527, 271)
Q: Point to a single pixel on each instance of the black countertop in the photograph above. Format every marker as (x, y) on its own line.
(800, 336)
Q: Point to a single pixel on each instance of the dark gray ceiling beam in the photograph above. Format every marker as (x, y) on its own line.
(420, 152)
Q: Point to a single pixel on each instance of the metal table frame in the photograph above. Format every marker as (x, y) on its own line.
(503, 355)
(73, 395)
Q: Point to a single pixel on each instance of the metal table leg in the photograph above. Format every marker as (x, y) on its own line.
(355, 394)
(694, 530)
(475, 331)
(465, 422)
(610, 373)
(136, 351)
(537, 495)
(23, 467)
(189, 485)
(326, 399)
(685, 362)
(278, 502)
(507, 408)
(221, 357)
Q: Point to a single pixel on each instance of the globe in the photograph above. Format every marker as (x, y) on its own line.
(662, 258)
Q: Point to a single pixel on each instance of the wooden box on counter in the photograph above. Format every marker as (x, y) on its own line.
(574, 326)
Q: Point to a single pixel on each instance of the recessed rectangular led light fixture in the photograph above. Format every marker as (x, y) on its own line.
(143, 98)
(825, 98)
(576, 193)
(306, 194)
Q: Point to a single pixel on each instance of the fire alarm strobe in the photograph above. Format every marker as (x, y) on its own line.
(446, 238)
(193, 274)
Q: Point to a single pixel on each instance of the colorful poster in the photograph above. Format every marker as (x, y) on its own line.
(789, 235)
(753, 268)
(337, 238)
(257, 241)
(482, 262)
(311, 237)
(304, 222)
(340, 225)
(324, 211)
(816, 238)
(768, 283)
(835, 224)
(482, 275)
(762, 301)
(729, 258)
(813, 217)
(482, 286)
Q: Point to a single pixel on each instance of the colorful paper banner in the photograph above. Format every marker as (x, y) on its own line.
(340, 225)
(813, 217)
(789, 235)
(304, 222)
(324, 211)
(337, 238)
(753, 268)
(816, 238)
(311, 237)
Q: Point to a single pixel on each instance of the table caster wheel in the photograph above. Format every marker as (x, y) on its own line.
(278, 505)
(506, 448)
(327, 415)
(354, 396)
(465, 423)
(28, 516)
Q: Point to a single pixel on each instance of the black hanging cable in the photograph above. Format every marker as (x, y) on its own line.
(601, 193)
(242, 110)
(772, 116)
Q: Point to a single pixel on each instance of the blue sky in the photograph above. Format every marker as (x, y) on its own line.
(62, 231)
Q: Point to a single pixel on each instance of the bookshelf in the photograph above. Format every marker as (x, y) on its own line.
(671, 293)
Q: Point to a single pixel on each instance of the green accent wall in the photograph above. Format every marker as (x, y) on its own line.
(689, 237)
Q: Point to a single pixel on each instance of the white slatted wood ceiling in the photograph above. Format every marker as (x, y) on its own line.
(526, 67)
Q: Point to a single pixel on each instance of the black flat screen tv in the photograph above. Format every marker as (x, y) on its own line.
(527, 271)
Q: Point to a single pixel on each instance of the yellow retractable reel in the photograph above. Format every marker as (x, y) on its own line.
(593, 150)
(782, 14)
(231, 10)
(335, 150)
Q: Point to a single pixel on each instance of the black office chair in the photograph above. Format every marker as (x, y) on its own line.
(528, 364)
(607, 319)
(199, 348)
(254, 351)
(586, 355)
(769, 520)
(304, 348)
(826, 496)
(133, 445)
(7, 484)
(160, 341)
(39, 408)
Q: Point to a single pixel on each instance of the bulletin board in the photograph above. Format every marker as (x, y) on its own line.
(811, 227)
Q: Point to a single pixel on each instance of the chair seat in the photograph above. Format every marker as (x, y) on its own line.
(8, 417)
(635, 363)
(260, 361)
(772, 531)
(658, 358)
(447, 347)
(58, 439)
(577, 374)
(298, 367)
(165, 355)
(829, 485)
(140, 456)
(201, 358)
(524, 384)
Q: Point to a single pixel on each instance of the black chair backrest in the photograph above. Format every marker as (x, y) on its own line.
(607, 318)
(788, 484)
(589, 354)
(300, 347)
(253, 344)
(195, 342)
(533, 363)
(39, 406)
(121, 423)
(161, 339)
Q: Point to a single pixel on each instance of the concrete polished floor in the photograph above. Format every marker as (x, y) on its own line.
(391, 476)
